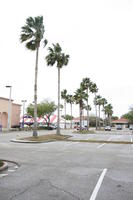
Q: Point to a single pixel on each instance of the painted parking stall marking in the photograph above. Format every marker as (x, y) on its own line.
(2, 175)
(101, 145)
(131, 141)
(12, 167)
(98, 185)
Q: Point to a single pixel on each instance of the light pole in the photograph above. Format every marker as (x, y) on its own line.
(23, 101)
(9, 107)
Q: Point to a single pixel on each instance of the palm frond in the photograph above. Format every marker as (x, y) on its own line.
(25, 37)
(45, 42)
(31, 45)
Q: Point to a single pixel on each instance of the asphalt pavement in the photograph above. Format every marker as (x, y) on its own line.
(64, 170)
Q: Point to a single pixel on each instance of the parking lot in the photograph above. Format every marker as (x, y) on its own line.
(69, 170)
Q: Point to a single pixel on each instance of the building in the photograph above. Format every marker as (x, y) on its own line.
(15, 113)
(124, 123)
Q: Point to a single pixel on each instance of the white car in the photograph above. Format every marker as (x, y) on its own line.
(107, 128)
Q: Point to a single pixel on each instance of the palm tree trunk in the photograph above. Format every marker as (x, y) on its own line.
(99, 117)
(58, 116)
(87, 112)
(80, 108)
(71, 115)
(35, 95)
(96, 111)
(65, 112)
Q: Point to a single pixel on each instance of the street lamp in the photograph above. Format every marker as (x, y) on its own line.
(9, 107)
(23, 101)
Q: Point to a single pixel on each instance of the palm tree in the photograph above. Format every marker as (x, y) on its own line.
(109, 112)
(98, 101)
(64, 96)
(56, 56)
(87, 108)
(104, 102)
(93, 89)
(79, 97)
(70, 99)
(85, 84)
(32, 34)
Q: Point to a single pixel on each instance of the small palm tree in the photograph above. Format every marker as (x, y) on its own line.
(56, 56)
(32, 34)
(104, 102)
(64, 96)
(98, 100)
(93, 89)
(109, 112)
(87, 108)
(70, 99)
(86, 84)
(79, 97)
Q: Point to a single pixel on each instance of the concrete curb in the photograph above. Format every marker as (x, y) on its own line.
(4, 167)
(30, 142)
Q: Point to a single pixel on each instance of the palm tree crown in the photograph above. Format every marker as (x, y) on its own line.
(56, 56)
(33, 32)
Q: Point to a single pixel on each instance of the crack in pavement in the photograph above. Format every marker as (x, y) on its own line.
(61, 189)
(51, 185)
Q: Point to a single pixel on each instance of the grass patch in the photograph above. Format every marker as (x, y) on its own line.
(84, 132)
(43, 138)
(102, 141)
(1, 163)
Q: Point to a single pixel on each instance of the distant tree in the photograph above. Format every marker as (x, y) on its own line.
(104, 103)
(86, 84)
(70, 99)
(56, 56)
(93, 89)
(114, 117)
(79, 97)
(98, 101)
(87, 108)
(44, 109)
(64, 96)
(109, 112)
(32, 34)
(68, 117)
(129, 115)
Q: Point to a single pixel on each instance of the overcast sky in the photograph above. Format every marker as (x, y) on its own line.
(98, 36)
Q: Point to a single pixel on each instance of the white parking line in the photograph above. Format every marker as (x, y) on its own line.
(131, 141)
(101, 145)
(2, 175)
(98, 185)
(11, 170)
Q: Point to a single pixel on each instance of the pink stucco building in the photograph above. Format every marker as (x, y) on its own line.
(15, 113)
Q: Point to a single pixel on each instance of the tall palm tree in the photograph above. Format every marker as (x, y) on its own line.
(64, 96)
(93, 89)
(56, 56)
(32, 34)
(70, 99)
(98, 100)
(109, 112)
(87, 108)
(79, 97)
(104, 102)
(85, 84)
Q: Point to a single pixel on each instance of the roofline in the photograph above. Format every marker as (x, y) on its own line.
(6, 99)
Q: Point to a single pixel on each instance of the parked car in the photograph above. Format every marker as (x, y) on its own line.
(82, 128)
(119, 127)
(131, 127)
(107, 128)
